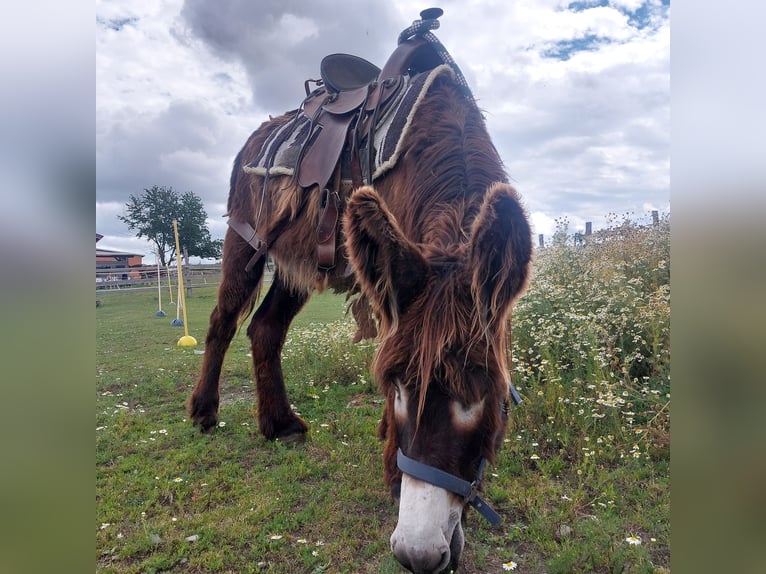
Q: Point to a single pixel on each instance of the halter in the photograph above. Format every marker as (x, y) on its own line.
(437, 477)
(468, 490)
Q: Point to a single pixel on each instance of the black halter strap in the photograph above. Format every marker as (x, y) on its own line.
(468, 490)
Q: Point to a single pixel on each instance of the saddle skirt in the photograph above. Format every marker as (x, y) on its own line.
(287, 146)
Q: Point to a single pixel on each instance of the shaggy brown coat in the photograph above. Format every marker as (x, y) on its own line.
(440, 248)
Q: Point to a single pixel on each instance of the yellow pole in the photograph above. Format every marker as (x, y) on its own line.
(186, 340)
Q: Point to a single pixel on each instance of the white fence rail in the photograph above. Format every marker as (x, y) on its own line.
(145, 277)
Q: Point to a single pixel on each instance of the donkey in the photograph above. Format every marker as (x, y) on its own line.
(438, 245)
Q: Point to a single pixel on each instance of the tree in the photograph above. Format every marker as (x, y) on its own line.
(151, 215)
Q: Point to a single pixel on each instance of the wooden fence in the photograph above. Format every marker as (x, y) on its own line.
(580, 238)
(145, 277)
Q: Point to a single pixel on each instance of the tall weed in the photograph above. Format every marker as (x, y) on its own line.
(591, 343)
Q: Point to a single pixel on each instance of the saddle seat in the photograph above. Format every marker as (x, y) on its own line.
(345, 72)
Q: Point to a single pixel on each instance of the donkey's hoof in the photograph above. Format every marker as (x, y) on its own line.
(292, 438)
(203, 412)
(295, 433)
(207, 428)
(206, 424)
(292, 430)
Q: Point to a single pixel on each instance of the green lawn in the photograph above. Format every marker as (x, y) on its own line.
(582, 482)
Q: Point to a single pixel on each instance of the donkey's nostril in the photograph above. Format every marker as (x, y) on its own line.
(445, 560)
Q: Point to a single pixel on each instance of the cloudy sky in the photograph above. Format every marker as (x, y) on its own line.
(576, 94)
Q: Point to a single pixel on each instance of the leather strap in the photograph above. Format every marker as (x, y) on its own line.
(447, 481)
(328, 219)
(246, 232)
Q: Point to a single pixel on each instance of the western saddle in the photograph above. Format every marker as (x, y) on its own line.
(343, 110)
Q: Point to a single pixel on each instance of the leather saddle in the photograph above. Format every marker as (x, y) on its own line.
(352, 89)
(342, 112)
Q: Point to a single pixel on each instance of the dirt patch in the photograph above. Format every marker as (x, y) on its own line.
(469, 563)
(235, 394)
(364, 400)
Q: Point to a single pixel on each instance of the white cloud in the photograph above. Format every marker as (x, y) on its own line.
(181, 85)
(630, 5)
(542, 223)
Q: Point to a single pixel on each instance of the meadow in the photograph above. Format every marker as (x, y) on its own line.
(582, 482)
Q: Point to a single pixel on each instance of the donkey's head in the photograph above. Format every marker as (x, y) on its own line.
(441, 361)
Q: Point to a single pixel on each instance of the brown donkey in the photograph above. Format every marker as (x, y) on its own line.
(439, 247)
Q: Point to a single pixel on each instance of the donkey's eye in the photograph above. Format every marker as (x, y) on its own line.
(466, 417)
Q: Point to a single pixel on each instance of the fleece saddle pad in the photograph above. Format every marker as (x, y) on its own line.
(282, 150)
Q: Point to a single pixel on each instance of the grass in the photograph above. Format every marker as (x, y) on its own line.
(585, 466)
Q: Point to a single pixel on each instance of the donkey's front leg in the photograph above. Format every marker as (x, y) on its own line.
(267, 332)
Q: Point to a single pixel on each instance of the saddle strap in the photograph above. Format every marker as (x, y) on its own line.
(328, 219)
(246, 232)
(328, 215)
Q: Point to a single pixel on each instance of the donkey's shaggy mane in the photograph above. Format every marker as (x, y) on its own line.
(449, 164)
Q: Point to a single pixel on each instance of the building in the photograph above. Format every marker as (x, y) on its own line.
(107, 259)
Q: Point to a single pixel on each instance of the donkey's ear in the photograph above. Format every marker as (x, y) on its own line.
(500, 252)
(388, 266)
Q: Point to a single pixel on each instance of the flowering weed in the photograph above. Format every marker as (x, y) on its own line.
(591, 344)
